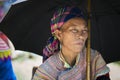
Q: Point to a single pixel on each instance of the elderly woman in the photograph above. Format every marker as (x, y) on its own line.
(65, 54)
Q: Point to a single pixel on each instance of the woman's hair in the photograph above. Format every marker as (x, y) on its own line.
(60, 16)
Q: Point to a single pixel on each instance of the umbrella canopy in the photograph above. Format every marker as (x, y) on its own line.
(27, 25)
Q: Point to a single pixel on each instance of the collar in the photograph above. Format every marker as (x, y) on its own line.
(66, 65)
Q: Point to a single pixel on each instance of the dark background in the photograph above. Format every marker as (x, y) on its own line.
(27, 25)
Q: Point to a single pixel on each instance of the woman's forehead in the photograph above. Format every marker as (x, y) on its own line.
(75, 22)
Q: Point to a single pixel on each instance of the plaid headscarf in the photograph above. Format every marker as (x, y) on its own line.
(60, 16)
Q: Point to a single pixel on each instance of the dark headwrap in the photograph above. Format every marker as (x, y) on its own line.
(60, 16)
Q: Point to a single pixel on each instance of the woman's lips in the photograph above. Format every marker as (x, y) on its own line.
(79, 43)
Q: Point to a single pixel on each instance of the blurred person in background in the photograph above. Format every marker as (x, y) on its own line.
(6, 49)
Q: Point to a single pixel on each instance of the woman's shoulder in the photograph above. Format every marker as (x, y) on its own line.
(51, 66)
(95, 52)
(52, 61)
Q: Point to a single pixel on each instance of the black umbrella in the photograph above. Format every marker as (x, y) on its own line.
(27, 25)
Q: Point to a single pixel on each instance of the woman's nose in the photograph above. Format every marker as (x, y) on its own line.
(81, 35)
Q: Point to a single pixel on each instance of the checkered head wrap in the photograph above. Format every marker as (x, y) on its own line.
(60, 16)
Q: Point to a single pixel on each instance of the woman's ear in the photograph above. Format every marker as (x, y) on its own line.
(58, 34)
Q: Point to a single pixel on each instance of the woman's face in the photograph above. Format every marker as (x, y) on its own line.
(74, 34)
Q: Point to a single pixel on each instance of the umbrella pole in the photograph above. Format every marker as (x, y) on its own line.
(88, 77)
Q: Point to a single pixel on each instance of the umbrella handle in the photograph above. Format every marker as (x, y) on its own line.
(88, 43)
(88, 58)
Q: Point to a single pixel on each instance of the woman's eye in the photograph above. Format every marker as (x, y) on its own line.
(74, 30)
(85, 31)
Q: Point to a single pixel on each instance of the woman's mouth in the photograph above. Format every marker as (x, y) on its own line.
(79, 43)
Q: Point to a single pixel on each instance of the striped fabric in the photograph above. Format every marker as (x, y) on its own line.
(53, 68)
(3, 45)
(5, 51)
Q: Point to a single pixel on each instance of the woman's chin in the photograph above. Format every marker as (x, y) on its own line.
(78, 49)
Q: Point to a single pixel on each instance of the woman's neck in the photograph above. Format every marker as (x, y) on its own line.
(69, 56)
